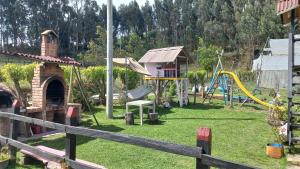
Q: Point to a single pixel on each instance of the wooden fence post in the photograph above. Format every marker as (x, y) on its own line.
(13, 130)
(71, 119)
(204, 140)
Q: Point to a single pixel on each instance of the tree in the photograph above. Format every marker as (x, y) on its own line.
(196, 77)
(148, 15)
(207, 55)
(234, 25)
(96, 53)
(132, 20)
(135, 46)
(14, 20)
(13, 73)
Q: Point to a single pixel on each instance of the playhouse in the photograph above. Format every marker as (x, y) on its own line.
(167, 64)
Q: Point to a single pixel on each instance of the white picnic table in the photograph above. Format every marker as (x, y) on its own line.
(140, 104)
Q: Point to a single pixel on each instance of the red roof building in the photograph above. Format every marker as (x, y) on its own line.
(49, 51)
(284, 8)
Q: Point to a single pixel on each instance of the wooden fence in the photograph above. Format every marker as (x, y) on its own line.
(201, 152)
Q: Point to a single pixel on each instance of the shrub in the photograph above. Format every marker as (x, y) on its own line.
(172, 90)
(246, 75)
(67, 73)
(13, 72)
(29, 71)
(132, 77)
(95, 81)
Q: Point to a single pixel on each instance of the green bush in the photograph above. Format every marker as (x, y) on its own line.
(1, 76)
(246, 75)
(16, 74)
(172, 90)
(67, 73)
(13, 72)
(196, 77)
(133, 77)
(93, 79)
(29, 71)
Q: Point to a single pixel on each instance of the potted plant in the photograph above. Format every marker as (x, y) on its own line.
(275, 150)
(276, 118)
(4, 157)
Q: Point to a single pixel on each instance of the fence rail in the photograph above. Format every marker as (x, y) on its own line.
(43, 154)
(204, 160)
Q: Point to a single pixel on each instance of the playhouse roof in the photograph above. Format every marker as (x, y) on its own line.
(49, 59)
(164, 55)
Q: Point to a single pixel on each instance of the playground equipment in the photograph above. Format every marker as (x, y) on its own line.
(243, 88)
(217, 81)
(220, 80)
(168, 64)
(245, 91)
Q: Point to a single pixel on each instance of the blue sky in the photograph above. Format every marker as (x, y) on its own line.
(117, 3)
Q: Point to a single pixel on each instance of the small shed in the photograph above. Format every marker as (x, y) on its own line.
(273, 63)
(171, 62)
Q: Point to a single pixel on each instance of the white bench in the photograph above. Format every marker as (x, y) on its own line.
(51, 164)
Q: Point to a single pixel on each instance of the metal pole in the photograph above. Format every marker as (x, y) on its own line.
(109, 77)
(290, 78)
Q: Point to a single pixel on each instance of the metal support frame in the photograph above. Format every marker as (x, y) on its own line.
(291, 56)
(219, 80)
(79, 81)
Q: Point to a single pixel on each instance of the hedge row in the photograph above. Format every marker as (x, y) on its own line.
(93, 78)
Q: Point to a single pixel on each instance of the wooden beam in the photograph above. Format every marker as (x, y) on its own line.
(44, 154)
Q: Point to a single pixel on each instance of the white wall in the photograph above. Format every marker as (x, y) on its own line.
(152, 69)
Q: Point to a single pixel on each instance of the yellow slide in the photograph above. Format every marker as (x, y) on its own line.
(242, 87)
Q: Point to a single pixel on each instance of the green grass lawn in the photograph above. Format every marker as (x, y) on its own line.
(239, 135)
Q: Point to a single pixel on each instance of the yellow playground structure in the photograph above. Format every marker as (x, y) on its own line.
(245, 91)
(220, 79)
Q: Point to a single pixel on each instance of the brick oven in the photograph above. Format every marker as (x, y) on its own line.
(49, 92)
(49, 89)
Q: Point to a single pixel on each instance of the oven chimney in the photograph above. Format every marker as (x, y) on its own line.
(49, 46)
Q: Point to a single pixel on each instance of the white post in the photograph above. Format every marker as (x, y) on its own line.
(109, 78)
(181, 93)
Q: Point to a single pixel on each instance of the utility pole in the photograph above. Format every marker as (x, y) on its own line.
(109, 77)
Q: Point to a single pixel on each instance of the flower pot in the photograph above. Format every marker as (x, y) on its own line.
(275, 150)
(4, 164)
